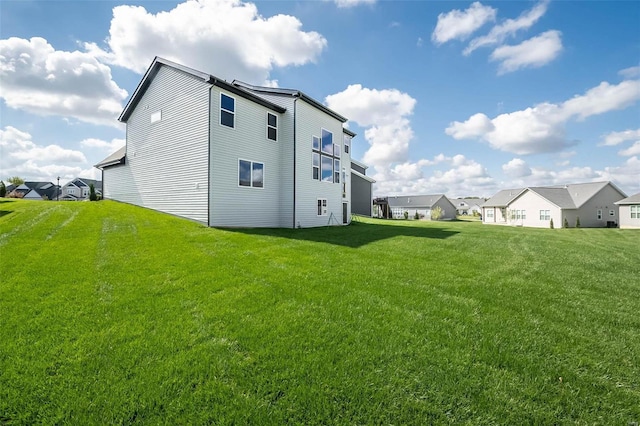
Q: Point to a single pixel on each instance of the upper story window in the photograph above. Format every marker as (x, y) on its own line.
(326, 142)
(250, 174)
(227, 110)
(325, 158)
(272, 127)
(347, 143)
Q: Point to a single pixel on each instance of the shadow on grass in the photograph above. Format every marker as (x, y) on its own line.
(4, 212)
(355, 235)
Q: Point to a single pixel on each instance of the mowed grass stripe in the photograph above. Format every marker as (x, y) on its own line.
(124, 315)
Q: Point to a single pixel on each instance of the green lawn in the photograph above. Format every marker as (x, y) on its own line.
(112, 314)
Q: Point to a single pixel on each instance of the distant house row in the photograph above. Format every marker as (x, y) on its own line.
(589, 205)
(75, 190)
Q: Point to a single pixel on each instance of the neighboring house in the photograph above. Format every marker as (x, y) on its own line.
(361, 189)
(629, 212)
(468, 206)
(423, 204)
(592, 203)
(78, 189)
(230, 154)
(34, 190)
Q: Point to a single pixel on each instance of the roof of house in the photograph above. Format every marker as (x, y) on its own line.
(158, 62)
(348, 132)
(634, 199)
(290, 92)
(503, 198)
(43, 189)
(468, 202)
(358, 163)
(414, 201)
(360, 175)
(114, 159)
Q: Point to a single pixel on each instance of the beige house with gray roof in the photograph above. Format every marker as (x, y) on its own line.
(629, 212)
(593, 204)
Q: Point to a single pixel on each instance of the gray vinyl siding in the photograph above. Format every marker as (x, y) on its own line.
(230, 204)
(166, 162)
(361, 197)
(309, 122)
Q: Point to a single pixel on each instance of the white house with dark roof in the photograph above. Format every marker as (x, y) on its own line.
(422, 204)
(230, 154)
(593, 204)
(78, 189)
(629, 212)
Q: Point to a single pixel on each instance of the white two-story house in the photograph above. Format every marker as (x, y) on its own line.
(230, 154)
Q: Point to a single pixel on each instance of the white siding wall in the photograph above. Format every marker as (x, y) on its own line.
(532, 203)
(232, 205)
(309, 122)
(166, 162)
(626, 221)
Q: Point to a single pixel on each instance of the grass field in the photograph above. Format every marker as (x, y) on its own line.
(111, 314)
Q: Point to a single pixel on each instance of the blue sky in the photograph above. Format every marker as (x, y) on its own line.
(461, 98)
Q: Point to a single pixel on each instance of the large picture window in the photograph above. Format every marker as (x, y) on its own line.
(325, 158)
(272, 127)
(227, 110)
(250, 174)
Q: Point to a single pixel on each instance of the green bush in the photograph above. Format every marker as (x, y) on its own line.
(565, 224)
(406, 215)
(416, 216)
(578, 222)
(551, 224)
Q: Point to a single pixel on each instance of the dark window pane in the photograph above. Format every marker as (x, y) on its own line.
(271, 133)
(258, 175)
(272, 120)
(316, 173)
(226, 118)
(244, 173)
(319, 207)
(227, 102)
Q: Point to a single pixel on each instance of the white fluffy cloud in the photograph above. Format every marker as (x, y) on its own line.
(516, 168)
(21, 156)
(352, 3)
(541, 128)
(459, 24)
(508, 28)
(106, 146)
(532, 53)
(385, 114)
(632, 150)
(616, 138)
(631, 72)
(197, 33)
(41, 80)
(459, 177)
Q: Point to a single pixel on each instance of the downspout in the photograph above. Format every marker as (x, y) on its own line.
(295, 131)
(209, 186)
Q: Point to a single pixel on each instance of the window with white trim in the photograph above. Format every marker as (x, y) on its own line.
(272, 127)
(489, 213)
(227, 110)
(612, 213)
(347, 143)
(545, 215)
(599, 214)
(250, 174)
(322, 207)
(635, 212)
(325, 158)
